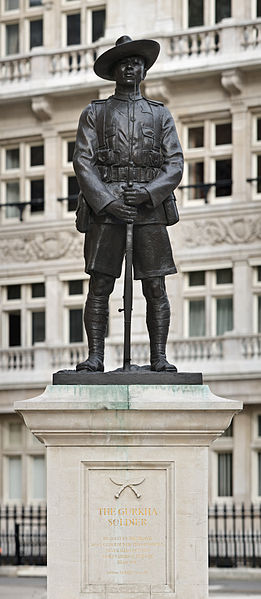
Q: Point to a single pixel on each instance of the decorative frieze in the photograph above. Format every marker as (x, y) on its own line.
(31, 247)
(215, 231)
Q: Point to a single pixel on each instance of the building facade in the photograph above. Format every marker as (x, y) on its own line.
(209, 75)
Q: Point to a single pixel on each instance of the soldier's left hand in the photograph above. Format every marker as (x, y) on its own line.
(134, 196)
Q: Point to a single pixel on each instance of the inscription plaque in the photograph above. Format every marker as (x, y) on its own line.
(127, 527)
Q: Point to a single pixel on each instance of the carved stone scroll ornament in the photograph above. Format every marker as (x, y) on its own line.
(40, 246)
(215, 232)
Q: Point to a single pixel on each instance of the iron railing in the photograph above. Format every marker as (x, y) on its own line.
(23, 535)
(234, 536)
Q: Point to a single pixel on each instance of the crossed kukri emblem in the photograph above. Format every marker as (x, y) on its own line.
(127, 484)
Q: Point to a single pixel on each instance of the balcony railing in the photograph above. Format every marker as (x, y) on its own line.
(196, 350)
(240, 39)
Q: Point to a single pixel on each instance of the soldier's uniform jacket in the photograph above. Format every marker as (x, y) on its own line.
(105, 157)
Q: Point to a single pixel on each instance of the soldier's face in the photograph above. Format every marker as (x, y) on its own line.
(128, 70)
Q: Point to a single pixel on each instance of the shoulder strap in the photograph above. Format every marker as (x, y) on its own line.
(100, 111)
(157, 118)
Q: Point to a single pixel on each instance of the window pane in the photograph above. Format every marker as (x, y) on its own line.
(75, 325)
(12, 197)
(223, 9)
(223, 177)
(259, 313)
(73, 190)
(14, 319)
(196, 13)
(38, 477)
(15, 477)
(38, 327)
(197, 318)
(35, 3)
(14, 434)
(36, 33)
(12, 158)
(258, 8)
(225, 475)
(11, 4)
(98, 24)
(73, 29)
(196, 177)
(196, 137)
(197, 278)
(259, 473)
(70, 150)
(259, 425)
(38, 289)
(75, 287)
(12, 39)
(223, 134)
(259, 174)
(224, 315)
(259, 273)
(36, 155)
(13, 292)
(37, 195)
(258, 131)
(224, 276)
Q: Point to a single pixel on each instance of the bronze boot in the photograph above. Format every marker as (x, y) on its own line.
(95, 320)
(158, 319)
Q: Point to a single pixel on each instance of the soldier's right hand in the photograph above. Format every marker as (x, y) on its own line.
(125, 213)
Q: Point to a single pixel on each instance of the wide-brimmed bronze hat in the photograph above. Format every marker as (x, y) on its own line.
(124, 47)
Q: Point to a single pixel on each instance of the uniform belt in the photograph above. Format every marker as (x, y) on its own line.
(139, 174)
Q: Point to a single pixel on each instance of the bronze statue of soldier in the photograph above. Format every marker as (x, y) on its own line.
(128, 160)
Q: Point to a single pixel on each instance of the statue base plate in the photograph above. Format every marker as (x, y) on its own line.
(137, 375)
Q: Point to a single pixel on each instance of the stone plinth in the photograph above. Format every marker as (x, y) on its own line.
(127, 470)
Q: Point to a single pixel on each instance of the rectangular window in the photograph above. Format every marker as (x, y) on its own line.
(33, 3)
(12, 197)
(36, 155)
(197, 278)
(259, 314)
(259, 425)
(197, 326)
(37, 195)
(38, 477)
(223, 134)
(38, 327)
(223, 177)
(73, 29)
(196, 137)
(75, 287)
(259, 174)
(195, 13)
(259, 273)
(38, 289)
(258, 129)
(12, 159)
(73, 190)
(14, 434)
(223, 10)
(11, 4)
(14, 321)
(75, 325)
(12, 39)
(258, 8)
(13, 292)
(224, 316)
(224, 276)
(259, 473)
(98, 24)
(70, 150)
(225, 475)
(196, 177)
(36, 33)
(15, 477)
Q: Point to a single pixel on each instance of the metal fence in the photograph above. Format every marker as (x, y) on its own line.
(234, 536)
(23, 535)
